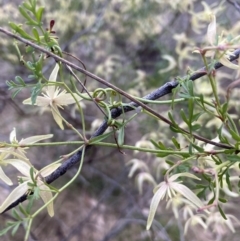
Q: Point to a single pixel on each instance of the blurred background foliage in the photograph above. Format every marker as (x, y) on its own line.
(138, 45)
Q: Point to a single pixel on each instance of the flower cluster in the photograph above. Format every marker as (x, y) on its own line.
(16, 156)
(15, 153)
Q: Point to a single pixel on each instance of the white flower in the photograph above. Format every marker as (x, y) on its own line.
(217, 224)
(20, 150)
(169, 188)
(24, 187)
(4, 162)
(55, 98)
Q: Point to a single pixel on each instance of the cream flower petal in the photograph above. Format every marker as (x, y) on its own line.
(56, 115)
(225, 61)
(22, 166)
(13, 135)
(49, 169)
(187, 193)
(159, 195)
(183, 174)
(5, 178)
(34, 139)
(40, 101)
(66, 99)
(52, 78)
(14, 195)
(172, 64)
(46, 195)
(212, 30)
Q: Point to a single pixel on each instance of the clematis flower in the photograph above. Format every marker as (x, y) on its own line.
(5, 162)
(20, 150)
(221, 48)
(219, 225)
(169, 188)
(54, 98)
(28, 182)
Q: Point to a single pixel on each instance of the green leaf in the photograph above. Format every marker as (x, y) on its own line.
(190, 109)
(221, 212)
(198, 148)
(22, 210)
(19, 80)
(222, 138)
(196, 116)
(39, 14)
(195, 127)
(171, 118)
(38, 66)
(184, 117)
(223, 200)
(13, 26)
(176, 143)
(190, 149)
(29, 49)
(16, 214)
(163, 154)
(22, 32)
(234, 135)
(24, 13)
(183, 168)
(154, 143)
(35, 34)
(174, 129)
(33, 3)
(161, 146)
(211, 200)
(121, 133)
(27, 16)
(206, 177)
(15, 93)
(233, 158)
(15, 228)
(228, 181)
(224, 109)
(200, 186)
(5, 230)
(202, 194)
(99, 138)
(35, 92)
(190, 87)
(27, 6)
(170, 163)
(216, 159)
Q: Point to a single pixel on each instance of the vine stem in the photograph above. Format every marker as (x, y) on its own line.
(136, 102)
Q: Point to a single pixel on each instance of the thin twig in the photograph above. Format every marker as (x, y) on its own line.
(163, 90)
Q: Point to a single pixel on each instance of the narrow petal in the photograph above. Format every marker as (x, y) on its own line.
(22, 166)
(5, 178)
(13, 135)
(172, 63)
(225, 61)
(49, 169)
(34, 139)
(46, 195)
(43, 101)
(52, 78)
(56, 115)
(187, 193)
(212, 30)
(183, 174)
(40, 101)
(27, 102)
(14, 195)
(154, 204)
(66, 99)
